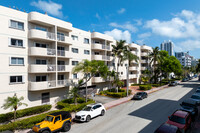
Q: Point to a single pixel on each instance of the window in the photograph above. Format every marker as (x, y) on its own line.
(41, 45)
(41, 78)
(74, 50)
(121, 73)
(74, 63)
(42, 62)
(16, 42)
(17, 61)
(60, 36)
(40, 28)
(15, 79)
(87, 52)
(86, 41)
(96, 53)
(75, 76)
(74, 37)
(16, 25)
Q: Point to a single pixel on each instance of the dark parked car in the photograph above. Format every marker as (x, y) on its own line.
(196, 97)
(173, 83)
(198, 91)
(167, 128)
(181, 119)
(140, 95)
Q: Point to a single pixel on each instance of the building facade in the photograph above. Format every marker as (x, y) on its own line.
(184, 58)
(168, 46)
(38, 53)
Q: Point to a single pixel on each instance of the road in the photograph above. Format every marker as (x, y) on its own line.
(139, 116)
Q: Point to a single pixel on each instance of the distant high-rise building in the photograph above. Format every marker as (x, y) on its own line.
(168, 46)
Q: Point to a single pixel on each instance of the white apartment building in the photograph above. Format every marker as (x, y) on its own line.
(38, 53)
(184, 58)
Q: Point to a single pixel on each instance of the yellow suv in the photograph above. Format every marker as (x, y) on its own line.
(54, 122)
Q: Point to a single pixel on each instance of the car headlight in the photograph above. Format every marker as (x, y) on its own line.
(82, 115)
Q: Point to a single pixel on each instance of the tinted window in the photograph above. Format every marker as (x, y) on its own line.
(195, 97)
(87, 108)
(177, 119)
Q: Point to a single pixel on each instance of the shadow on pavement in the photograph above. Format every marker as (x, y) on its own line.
(156, 113)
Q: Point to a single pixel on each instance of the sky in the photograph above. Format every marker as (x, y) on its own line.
(147, 22)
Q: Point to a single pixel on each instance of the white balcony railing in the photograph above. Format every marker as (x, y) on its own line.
(51, 67)
(44, 85)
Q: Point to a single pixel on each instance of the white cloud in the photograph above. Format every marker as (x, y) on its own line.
(140, 42)
(49, 7)
(97, 16)
(144, 35)
(184, 25)
(120, 35)
(125, 26)
(188, 45)
(121, 11)
(138, 21)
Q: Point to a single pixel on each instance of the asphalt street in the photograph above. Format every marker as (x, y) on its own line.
(140, 116)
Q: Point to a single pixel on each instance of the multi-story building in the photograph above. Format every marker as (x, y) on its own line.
(184, 58)
(168, 46)
(38, 53)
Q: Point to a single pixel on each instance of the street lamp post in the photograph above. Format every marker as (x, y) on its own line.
(127, 78)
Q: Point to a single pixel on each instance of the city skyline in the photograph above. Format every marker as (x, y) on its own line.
(120, 20)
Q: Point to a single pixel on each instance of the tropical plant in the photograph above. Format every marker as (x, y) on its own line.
(89, 69)
(13, 103)
(110, 76)
(198, 67)
(154, 60)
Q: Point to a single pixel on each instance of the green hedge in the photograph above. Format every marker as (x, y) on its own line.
(24, 112)
(135, 84)
(145, 87)
(67, 102)
(30, 122)
(112, 92)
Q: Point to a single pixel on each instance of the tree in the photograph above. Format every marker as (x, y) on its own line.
(89, 69)
(75, 89)
(13, 103)
(198, 66)
(154, 56)
(110, 76)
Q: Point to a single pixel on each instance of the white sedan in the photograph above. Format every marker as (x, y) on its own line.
(90, 111)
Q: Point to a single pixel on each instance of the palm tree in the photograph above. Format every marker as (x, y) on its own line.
(118, 52)
(89, 69)
(110, 76)
(13, 103)
(198, 66)
(75, 89)
(154, 55)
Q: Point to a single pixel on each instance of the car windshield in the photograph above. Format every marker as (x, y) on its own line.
(195, 97)
(187, 107)
(87, 108)
(139, 93)
(187, 104)
(48, 118)
(177, 119)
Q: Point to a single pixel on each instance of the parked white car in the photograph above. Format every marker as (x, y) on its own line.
(90, 111)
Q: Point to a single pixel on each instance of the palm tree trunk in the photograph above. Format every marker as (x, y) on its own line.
(15, 115)
(86, 92)
(75, 100)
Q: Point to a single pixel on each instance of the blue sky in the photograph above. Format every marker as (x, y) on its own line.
(147, 22)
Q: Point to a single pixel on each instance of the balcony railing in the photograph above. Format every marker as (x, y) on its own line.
(61, 52)
(51, 51)
(61, 68)
(60, 37)
(51, 35)
(64, 82)
(51, 67)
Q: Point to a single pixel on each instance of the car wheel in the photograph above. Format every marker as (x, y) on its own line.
(102, 112)
(66, 127)
(88, 118)
(45, 131)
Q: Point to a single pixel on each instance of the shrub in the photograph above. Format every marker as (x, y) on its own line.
(30, 122)
(135, 84)
(145, 87)
(24, 112)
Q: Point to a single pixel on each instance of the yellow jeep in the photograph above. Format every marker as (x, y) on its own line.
(54, 122)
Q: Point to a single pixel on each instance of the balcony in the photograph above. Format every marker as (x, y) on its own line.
(97, 57)
(131, 76)
(98, 35)
(34, 68)
(146, 48)
(143, 68)
(144, 61)
(64, 68)
(97, 80)
(98, 46)
(36, 51)
(44, 85)
(144, 54)
(64, 83)
(133, 68)
(134, 52)
(41, 35)
(64, 39)
(64, 54)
